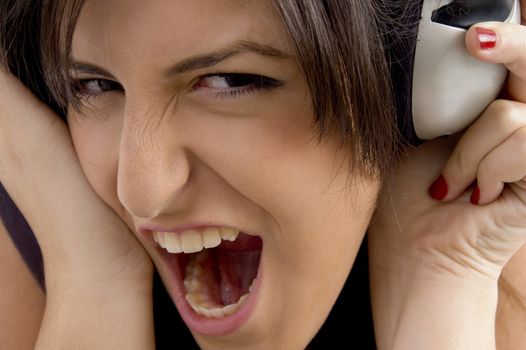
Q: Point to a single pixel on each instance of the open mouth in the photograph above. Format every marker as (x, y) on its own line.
(218, 266)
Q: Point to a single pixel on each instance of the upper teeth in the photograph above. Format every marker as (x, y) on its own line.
(193, 241)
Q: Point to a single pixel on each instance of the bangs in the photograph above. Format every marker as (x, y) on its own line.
(55, 43)
(339, 44)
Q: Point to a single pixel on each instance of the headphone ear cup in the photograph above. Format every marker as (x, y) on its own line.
(450, 88)
(439, 89)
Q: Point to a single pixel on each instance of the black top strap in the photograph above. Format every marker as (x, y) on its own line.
(22, 236)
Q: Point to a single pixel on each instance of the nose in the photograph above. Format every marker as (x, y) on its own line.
(153, 165)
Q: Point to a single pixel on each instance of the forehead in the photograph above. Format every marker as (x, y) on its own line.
(111, 33)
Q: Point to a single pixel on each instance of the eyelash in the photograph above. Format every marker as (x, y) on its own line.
(80, 89)
(244, 84)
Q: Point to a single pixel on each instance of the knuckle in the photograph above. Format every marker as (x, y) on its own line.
(498, 107)
(460, 163)
(485, 169)
(504, 115)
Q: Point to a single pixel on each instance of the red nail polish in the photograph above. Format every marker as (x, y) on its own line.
(475, 196)
(487, 38)
(438, 189)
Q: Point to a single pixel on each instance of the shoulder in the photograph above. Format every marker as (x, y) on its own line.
(21, 299)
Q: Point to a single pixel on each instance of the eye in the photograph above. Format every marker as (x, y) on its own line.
(234, 84)
(95, 87)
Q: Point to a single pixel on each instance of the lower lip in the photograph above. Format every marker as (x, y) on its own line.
(198, 323)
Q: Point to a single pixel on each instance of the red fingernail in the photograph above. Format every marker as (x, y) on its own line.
(487, 38)
(438, 189)
(475, 196)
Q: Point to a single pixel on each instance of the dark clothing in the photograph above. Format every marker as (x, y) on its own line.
(22, 236)
(349, 325)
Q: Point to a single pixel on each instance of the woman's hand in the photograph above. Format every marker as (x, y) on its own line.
(98, 277)
(435, 262)
(511, 311)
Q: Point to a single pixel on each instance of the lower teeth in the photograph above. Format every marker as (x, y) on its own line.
(197, 295)
(201, 304)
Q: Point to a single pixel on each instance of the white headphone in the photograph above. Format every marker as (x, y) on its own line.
(450, 88)
(439, 88)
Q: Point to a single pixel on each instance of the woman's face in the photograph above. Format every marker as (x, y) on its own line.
(196, 125)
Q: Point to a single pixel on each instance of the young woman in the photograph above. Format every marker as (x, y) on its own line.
(240, 146)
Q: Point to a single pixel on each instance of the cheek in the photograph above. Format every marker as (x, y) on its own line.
(97, 149)
(320, 211)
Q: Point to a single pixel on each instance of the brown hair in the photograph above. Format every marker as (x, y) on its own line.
(338, 42)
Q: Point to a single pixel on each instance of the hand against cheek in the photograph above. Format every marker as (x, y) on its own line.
(453, 216)
(83, 241)
(98, 277)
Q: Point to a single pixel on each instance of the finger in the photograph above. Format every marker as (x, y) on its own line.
(500, 120)
(502, 43)
(505, 164)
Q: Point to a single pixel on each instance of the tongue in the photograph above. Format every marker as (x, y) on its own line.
(238, 264)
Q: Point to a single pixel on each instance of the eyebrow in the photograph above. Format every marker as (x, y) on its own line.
(87, 68)
(195, 62)
(211, 59)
